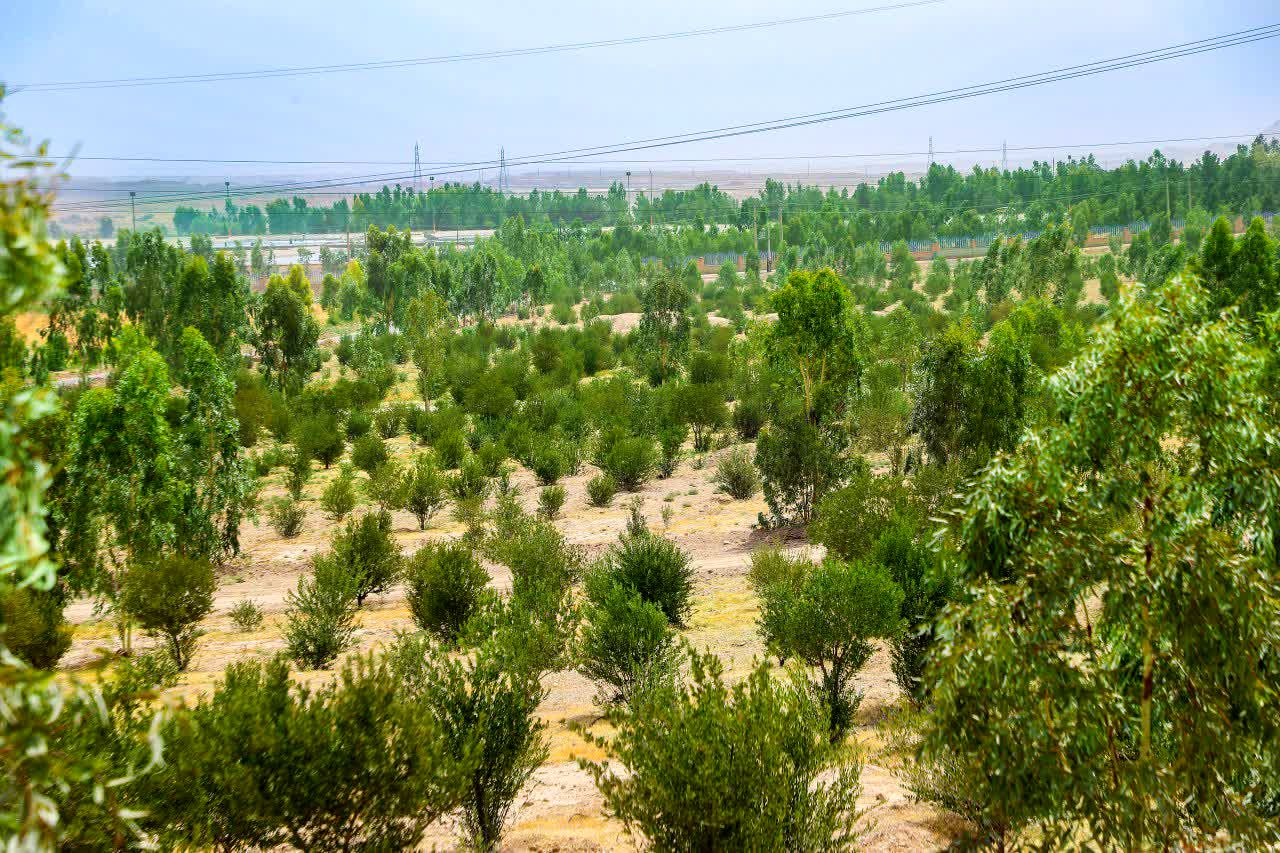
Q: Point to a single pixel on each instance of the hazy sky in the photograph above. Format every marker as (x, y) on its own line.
(535, 104)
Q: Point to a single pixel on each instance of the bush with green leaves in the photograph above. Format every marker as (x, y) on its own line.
(626, 641)
(451, 449)
(631, 462)
(601, 489)
(748, 417)
(320, 619)
(799, 463)
(368, 452)
(33, 627)
(926, 589)
(671, 438)
(339, 497)
(445, 586)
(470, 483)
(850, 520)
(366, 550)
(424, 489)
(265, 762)
(655, 568)
(297, 473)
(389, 422)
(717, 767)
(828, 620)
(168, 597)
(319, 438)
(286, 515)
(736, 475)
(703, 408)
(246, 615)
(486, 705)
(551, 500)
(386, 485)
(492, 456)
(358, 424)
(550, 460)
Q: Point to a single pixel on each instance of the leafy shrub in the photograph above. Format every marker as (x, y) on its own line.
(704, 409)
(320, 619)
(264, 763)
(168, 597)
(298, 473)
(268, 459)
(319, 438)
(626, 641)
(366, 550)
(736, 475)
(368, 452)
(489, 701)
(445, 585)
(386, 485)
(655, 568)
(491, 456)
(551, 460)
(748, 418)
(424, 490)
(470, 483)
(715, 767)
(828, 621)
(926, 590)
(601, 489)
(451, 449)
(286, 515)
(551, 500)
(631, 462)
(339, 497)
(32, 626)
(850, 520)
(389, 422)
(671, 438)
(358, 424)
(246, 615)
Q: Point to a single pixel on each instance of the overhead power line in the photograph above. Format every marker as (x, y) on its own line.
(744, 158)
(1089, 69)
(306, 70)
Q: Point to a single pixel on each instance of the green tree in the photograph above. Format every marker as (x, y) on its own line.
(719, 767)
(664, 324)
(286, 336)
(365, 549)
(1109, 657)
(815, 334)
(168, 597)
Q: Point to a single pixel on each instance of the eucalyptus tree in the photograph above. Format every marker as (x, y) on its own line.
(1109, 672)
(286, 335)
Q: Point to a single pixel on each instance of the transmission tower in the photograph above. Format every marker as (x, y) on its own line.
(931, 152)
(417, 170)
(504, 180)
(1004, 156)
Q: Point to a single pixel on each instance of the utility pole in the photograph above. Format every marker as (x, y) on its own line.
(133, 210)
(628, 196)
(651, 200)
(431, 203)
(228, 185)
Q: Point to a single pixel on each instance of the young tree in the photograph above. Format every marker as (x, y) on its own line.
(664, 325)
(719, 767)
(815, 334)
(367, 551)
(1108, 655)
(424, 492)
(320, 620)
(828, 621)
(625, 643)
(168, 597)
(339, 497)
(286, 336)
(446, 586)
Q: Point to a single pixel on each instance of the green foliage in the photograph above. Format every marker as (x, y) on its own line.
(551, 500)
(748, 418)
(368, 452)
(601, 489)
(664, 324)
(736, 475)
(1108, 653)
(718, 767)
(799, 463)
(387, 485)
(486, 706)
(297, 473)
(828, 620)
(320, 619)
(358, 424)
(451, 449)
(339, 497)
(626, 642)
(926, 589)
(32, 626)
(286, 515)
(318, 438)
(168, 598)
(246, 615)
(655, 568)
(366, 550)
(359, 763)
(630, 461)
(850, 520)
(424, 490)
(445, 586)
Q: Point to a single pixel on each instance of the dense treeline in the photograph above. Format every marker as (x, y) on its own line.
(1096, 617)
(943, 203)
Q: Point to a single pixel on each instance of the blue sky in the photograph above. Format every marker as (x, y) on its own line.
(534, 104)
